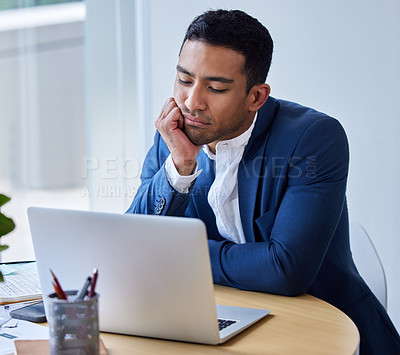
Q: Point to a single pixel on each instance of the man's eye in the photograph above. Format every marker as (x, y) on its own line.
(183, 82)
(217, 91)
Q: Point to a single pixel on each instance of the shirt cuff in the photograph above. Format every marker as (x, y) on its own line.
(179, 182)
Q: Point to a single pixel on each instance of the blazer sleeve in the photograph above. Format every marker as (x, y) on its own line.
(155, 195)
(306, 220)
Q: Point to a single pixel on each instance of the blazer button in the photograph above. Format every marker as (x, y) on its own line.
(160, 206)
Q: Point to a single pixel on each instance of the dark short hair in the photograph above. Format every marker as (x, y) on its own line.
(239, 31)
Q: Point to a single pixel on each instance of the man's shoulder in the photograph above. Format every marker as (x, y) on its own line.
(298, 114)
(289, 117)
(286, 123)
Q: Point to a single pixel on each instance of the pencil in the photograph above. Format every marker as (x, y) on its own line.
(61, 294)
(93, 284)
(84, 289)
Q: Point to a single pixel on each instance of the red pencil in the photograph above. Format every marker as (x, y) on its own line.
(55, 288)
(61, 294)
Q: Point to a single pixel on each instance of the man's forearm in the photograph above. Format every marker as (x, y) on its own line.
(156, 196)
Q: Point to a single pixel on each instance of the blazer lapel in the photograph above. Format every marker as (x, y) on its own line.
(251, 166)
(200, 195)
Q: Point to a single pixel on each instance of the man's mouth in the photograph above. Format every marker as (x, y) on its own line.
(195, 121)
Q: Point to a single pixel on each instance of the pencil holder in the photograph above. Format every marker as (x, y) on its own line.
(74, 325)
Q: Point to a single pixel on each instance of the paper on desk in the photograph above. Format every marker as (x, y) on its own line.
(25, 330)
(6, 269)
(21, 282)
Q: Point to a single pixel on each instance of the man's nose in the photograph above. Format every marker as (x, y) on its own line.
(196, 99)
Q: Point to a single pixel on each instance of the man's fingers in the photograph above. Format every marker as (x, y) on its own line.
(173, 120)
(180, 120)
(169, 105)
(166, 109)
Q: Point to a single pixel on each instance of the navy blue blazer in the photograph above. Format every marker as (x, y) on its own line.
(292, 199)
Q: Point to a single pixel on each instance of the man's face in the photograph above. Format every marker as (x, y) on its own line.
(210, 90)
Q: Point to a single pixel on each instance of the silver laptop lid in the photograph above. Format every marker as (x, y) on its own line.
(154, 272)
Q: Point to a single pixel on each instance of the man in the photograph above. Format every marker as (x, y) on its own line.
(268, 177)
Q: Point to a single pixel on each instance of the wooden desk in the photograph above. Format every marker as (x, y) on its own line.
(296, 325)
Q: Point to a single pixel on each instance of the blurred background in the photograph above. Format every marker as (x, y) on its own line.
(83, 82)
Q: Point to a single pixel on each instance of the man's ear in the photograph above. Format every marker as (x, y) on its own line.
(258, 95)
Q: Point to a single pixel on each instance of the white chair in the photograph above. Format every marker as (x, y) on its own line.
(367, 261)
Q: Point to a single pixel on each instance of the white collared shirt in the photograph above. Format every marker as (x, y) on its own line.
(223, 196)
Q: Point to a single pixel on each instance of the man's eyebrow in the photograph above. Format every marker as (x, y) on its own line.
(184, 71)
(221, 79)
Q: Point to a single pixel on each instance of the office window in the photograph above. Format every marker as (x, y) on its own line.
(42, 121)
(16, 4)
(75, 116)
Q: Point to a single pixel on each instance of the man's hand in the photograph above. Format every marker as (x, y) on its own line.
(183, 152)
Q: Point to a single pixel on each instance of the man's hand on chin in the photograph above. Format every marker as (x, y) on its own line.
(183, 152)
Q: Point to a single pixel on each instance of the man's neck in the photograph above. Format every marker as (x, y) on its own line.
(213, 145)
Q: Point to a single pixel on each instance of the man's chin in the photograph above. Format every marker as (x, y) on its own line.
(196, 136)
(197, 140)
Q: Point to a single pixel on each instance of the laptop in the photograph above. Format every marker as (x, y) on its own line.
(155, 276)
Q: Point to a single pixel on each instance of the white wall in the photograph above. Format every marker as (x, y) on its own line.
(339, 57)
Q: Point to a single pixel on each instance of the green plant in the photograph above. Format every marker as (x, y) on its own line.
(6, 225)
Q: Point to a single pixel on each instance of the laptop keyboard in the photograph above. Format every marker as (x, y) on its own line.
(223, 323)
